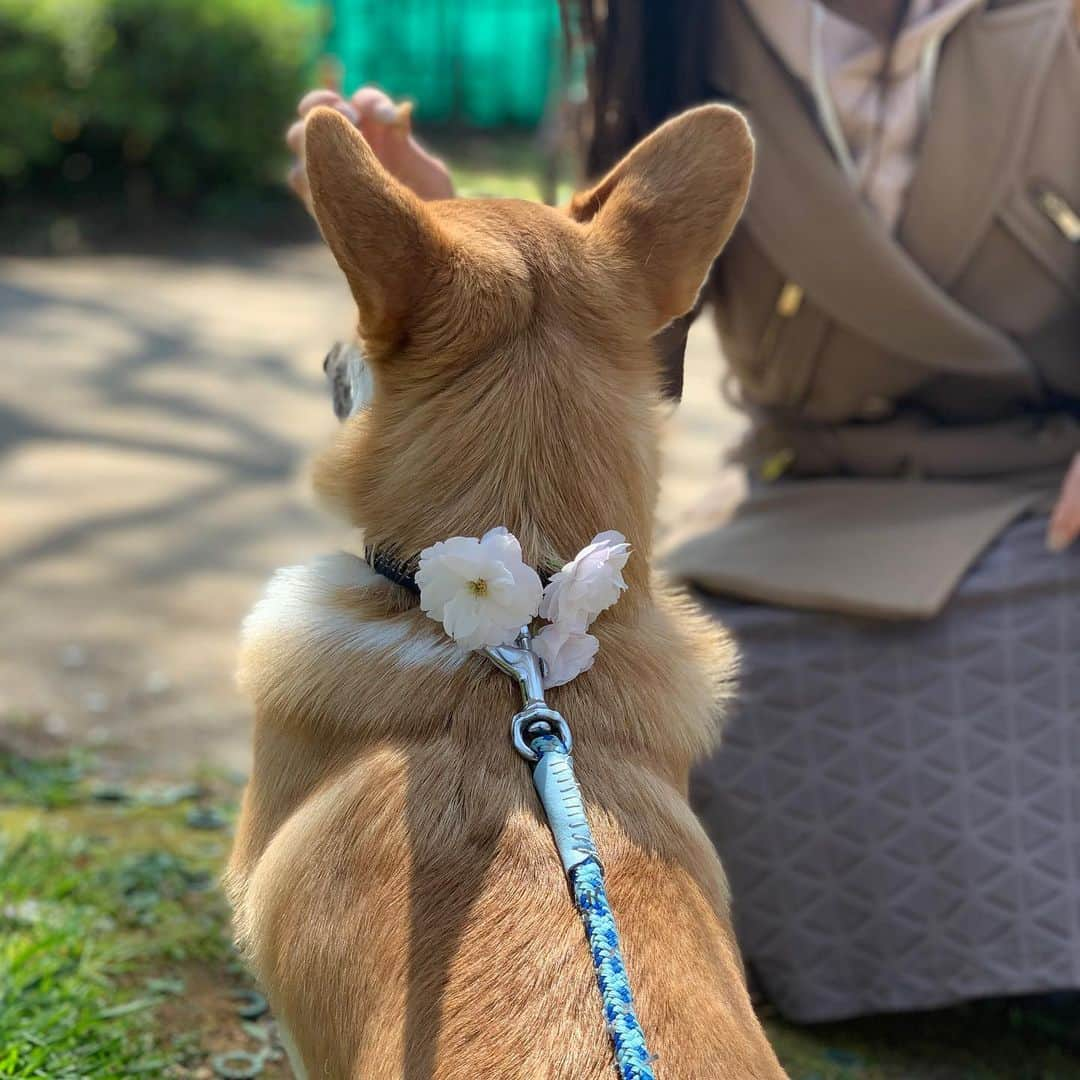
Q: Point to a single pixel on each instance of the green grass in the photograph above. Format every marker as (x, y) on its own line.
(115, 958)
(114, 951)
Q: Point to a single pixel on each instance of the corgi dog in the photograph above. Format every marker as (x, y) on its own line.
(395, 885)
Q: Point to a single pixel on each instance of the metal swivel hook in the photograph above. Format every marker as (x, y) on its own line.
(537, 717)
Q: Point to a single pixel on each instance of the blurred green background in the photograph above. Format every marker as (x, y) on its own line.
(484, 64)
(146, 100)
(138, 110)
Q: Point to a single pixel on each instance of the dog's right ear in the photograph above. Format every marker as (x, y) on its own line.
(383, 237)
(664, 212)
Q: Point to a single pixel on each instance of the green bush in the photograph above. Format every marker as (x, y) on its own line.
(170, 100)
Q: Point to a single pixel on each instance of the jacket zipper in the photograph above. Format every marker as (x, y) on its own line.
(788, 302)
(1060, 213)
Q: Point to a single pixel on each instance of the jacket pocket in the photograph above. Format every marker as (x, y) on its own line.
(1025, 274)
(1044, 221)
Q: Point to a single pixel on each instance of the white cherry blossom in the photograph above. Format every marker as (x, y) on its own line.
(591, 582)
(566, 653)
(479, 589)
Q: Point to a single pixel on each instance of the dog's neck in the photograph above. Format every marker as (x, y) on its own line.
(555, 464)
(400, 568)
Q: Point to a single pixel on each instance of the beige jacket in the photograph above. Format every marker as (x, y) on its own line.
(918, 391)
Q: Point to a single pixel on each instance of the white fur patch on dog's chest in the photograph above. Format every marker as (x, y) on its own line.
(311, 602)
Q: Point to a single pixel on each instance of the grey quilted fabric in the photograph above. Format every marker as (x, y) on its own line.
(897, 805)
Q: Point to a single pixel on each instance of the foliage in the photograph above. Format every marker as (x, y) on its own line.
(47, 782)
(148, 99)
(108, 920)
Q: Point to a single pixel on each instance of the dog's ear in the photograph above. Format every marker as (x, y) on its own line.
(382, 236)
(665, 211)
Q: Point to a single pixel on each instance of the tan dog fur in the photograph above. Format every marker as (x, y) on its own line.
(395, 886)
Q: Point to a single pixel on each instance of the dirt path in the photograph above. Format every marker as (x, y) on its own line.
(155, 420)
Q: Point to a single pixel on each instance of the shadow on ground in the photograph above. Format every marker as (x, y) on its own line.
(156, 415)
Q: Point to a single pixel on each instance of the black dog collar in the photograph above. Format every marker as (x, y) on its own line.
(388, 564)
(400, 571)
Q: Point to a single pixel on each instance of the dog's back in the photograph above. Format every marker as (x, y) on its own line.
(395, 886)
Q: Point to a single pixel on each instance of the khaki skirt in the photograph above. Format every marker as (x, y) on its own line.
(897, 805)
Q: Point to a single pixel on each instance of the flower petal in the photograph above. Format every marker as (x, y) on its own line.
(478, 616)
(566, 653)
(464, 621)
(589, 584)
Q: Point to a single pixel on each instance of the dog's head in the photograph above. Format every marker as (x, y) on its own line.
(351, 385)
(508, 343)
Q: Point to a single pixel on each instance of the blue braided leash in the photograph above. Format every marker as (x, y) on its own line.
(542, 737)
(562, 804)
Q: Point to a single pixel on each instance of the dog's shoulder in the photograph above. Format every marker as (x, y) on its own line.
(310, 597)
(319, 624)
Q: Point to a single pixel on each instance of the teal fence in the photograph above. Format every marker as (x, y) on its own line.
(481, 63)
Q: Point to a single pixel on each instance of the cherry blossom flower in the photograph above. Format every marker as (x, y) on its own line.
(479, 589)
(588, 584)
(566, 653)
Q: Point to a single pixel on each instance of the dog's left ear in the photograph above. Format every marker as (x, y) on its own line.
(383, 237)
(665, 211)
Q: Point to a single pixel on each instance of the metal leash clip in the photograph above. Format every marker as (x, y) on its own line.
(542, 737)
(553, 769)
(537, 717)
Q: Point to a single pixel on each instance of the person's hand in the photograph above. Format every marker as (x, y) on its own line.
(388, 132)
(1065, 520)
